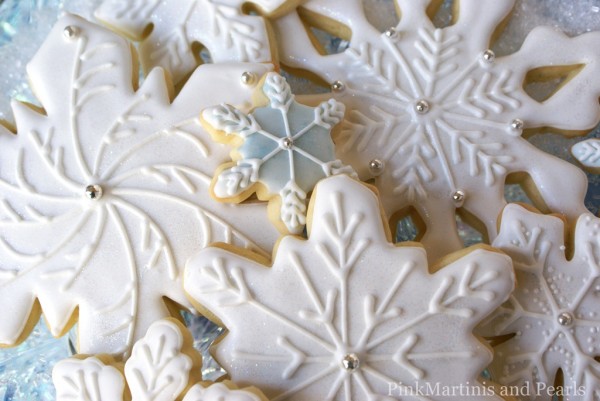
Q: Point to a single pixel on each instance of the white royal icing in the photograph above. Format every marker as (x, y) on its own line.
(158, 370)
(444, 114)
(587, 153)
(87, 380)
(346, 314)
(220, 26)
(219, 392)
(550, 290)
(147, 163)
(286, 147)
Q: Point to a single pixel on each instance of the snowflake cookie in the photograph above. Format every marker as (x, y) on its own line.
(347, 314)
(173, 31)
(588, 154)
(555, 309)
(438, 119)
(285, 148)
(104, 193)
(162, 367)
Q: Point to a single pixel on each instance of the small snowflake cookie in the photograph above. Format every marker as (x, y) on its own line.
(346, 314)
(162, 367)
(173, 32)
(587, 154)
(283, 149)
(104, 193)
(438, 120)
(554, 312)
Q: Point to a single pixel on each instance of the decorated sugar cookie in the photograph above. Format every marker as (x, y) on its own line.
(438, 120)
(172, 32)
(163, 363)
(223, 391)
(162, 367)
(284, 148)
(346, 314)
(555, 309)
(588, 154)
(81, 379)
(104, 193)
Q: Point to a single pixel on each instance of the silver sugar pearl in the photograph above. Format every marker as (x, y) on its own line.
(517, 125)
(93, 192)
(71, 32)
(489, 56)
(350, 362)
(248, 78)
(422, 107)
(376, 167)
(287, 143)
(338, 86)
(391, 33)
(565, 319)
(458, 197)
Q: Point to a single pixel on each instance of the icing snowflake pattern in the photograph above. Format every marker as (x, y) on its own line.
(443, 114)
(105, 194)
(226, 32)
(554, 310)
(345, 313)
(286, 147)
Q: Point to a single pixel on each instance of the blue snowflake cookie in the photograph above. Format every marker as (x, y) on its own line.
(283, 148)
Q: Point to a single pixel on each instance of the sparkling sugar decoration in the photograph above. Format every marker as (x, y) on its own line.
(25, 370)
(358, 312)
(443, 111)
(554, 312)
(104, 195)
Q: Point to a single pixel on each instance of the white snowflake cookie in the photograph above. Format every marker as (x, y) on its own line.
(173, 32)
(104, 193)
(438, 119)
(588, 154)
(162, 367)
(554, 312)
(283, 149)
(346, 314)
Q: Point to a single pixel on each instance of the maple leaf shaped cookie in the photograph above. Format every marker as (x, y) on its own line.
(346, 314)
(172, 32)
(438, 119)
(555, 309)
(284, 149)
(163, 367)
(104, 194)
